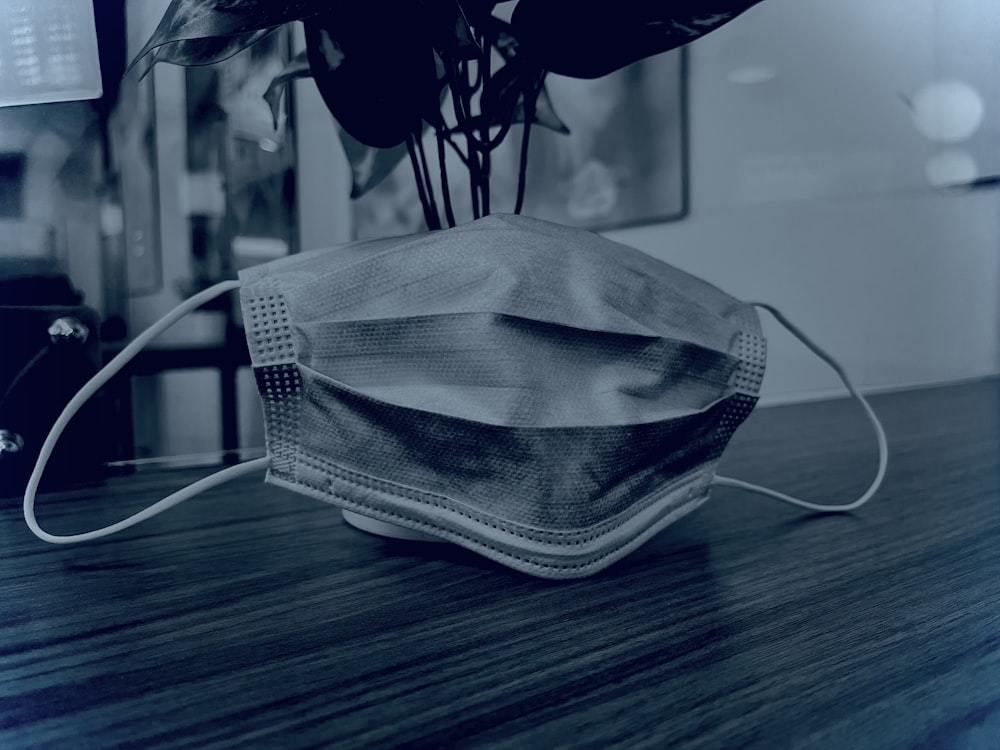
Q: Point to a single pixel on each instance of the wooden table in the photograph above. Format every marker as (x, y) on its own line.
(254, 617)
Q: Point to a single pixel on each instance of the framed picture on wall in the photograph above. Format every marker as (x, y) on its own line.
(623, 163)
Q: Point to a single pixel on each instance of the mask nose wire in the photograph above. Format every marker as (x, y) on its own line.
(88, 390)
(883, 445)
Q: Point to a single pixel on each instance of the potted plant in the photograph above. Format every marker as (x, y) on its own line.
(390, 70)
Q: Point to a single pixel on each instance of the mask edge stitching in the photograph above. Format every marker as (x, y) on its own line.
(593, 565)
(540, 536)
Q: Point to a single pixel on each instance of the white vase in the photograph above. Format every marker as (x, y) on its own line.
(382, 528)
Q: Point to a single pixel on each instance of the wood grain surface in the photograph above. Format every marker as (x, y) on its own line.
(252, 617)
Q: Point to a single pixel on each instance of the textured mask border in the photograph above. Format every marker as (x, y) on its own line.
(272, 351)
(537, 552)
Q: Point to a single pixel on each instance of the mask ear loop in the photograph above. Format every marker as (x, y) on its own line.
(88, 390)
(883, 445)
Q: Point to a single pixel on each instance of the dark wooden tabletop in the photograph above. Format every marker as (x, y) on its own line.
(253, 617)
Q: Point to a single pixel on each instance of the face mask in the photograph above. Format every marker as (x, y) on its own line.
(538, 394)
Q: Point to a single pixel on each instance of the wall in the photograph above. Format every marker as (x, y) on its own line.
(808, 191)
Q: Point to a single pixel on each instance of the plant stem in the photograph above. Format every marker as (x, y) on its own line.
(530, 101)
(484, 185)
(451, 142)
(477, 81)
(427, 178)
(474, 178)
(460, 95)
(445, 189)
(432, 220)
(522, 168)
(484, 74)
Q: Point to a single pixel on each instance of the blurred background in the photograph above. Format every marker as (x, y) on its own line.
(836, 164)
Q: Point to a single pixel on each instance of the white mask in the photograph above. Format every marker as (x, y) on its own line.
(538, 394)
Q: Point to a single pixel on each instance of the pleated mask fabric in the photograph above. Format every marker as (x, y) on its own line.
(538, 394)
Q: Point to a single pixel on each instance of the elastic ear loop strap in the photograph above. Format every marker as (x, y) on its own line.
(248, 467)
(88, 390)
(883, 445)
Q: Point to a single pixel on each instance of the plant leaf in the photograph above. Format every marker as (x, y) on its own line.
(297, 67)
(451, 32)
(501, 94)
(544, 114)
(200, 51)
(502, 37)
(479, 12)
(186, 20)
(559, 36)
(374, 67)
(369, 165)
(505, 101)
(504, 40)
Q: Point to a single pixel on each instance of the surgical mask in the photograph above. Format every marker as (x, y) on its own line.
(537, 394)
